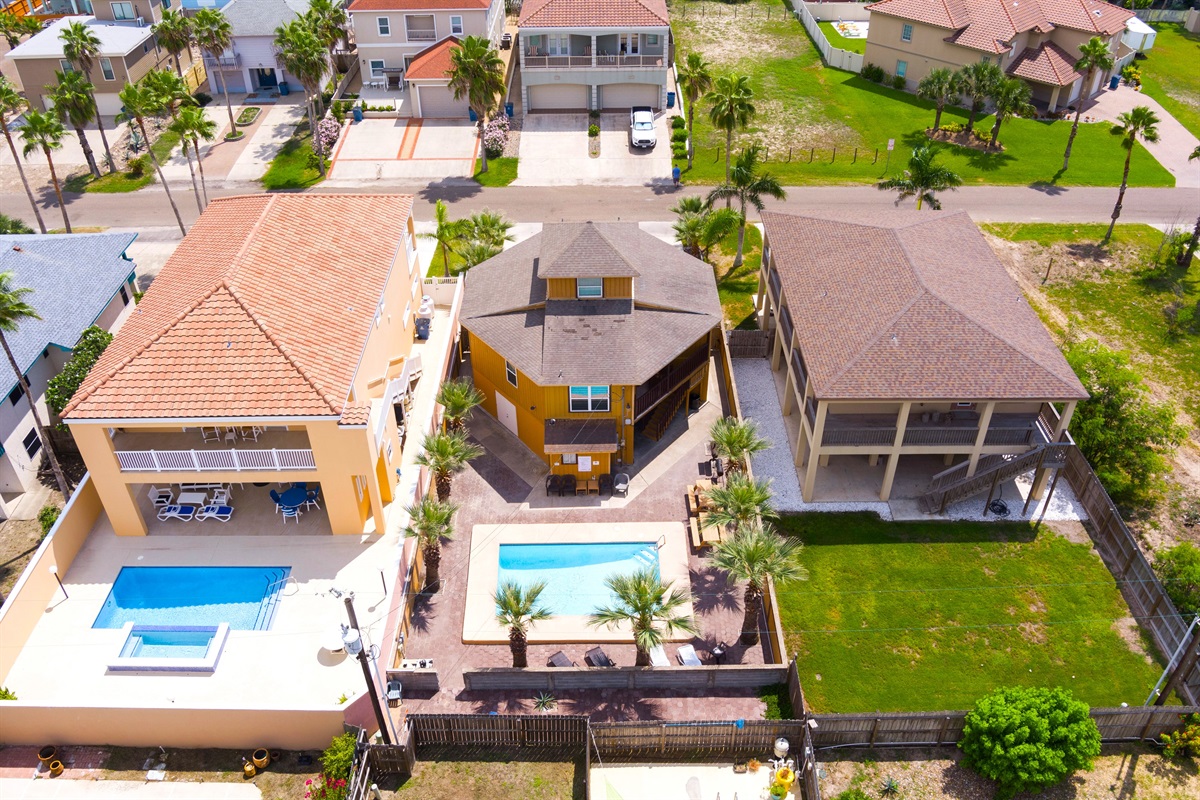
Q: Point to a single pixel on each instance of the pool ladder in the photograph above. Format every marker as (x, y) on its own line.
(273, 586)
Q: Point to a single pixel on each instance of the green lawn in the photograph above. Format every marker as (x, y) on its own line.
(1123, 305)
(501, 172)
(120, 182)
(928, 616)
(801, 105)
(290, 169)
(497, 776)
(837, 40)
(437, 265)
(737, 287)
(1171, 73)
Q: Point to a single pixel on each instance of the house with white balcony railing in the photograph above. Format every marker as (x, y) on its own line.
(279, 345)
(578, 55)
(390, 34)
(250, 63)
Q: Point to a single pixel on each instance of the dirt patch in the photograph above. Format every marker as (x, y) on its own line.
(1033, 632)
(1127, 628)
(19, 539)
(727, 34)
(282, 780)
(963, 139)
(1034, 601)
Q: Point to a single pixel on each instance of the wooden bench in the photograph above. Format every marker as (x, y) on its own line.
(697, 539)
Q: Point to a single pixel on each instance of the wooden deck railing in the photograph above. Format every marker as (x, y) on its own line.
(667, 381)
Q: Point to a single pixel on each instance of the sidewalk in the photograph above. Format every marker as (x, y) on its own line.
(1175, 142)
(278, 123)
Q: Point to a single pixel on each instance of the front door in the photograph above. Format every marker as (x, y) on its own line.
(267, 79)
(506, 412)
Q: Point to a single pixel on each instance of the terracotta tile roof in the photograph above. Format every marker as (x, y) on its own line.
(417, 5)
(433, 62)
(263, 310)
(593, 13)
(910, 305)
(1093, 16)
(356, 414)
(950, 14)
(1047, 63)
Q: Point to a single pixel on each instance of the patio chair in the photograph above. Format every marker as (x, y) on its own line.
(606, 484)
(210, 434)
(161, 497)
(220, 497)
(687, 656)
(621, 484)
(301, 485)
(658, 656)
(278, 500)
(569, 485)
(230, 436)
(560, 659)
(310, 499)
(553, 484)
(291, 513)
(184, 513)
(222, 513)
(596, 657)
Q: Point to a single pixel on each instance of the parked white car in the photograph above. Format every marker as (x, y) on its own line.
(641, 127)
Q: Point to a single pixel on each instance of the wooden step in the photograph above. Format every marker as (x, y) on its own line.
(661, 417)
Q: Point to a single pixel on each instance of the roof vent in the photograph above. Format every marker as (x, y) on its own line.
(17, 248)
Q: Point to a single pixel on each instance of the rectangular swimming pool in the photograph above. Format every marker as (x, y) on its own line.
(574, 573)
(243, 597)
(170, 648)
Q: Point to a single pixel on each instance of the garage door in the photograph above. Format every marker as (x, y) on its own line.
(627, 95)
(109, 104)
(438, 101)
(234, 83)
(551, 97)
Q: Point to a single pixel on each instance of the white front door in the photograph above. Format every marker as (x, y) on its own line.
(506, 412)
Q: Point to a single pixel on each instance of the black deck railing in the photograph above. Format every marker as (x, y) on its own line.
(666, 381)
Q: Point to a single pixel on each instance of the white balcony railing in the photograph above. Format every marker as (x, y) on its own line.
(214, 460)
(416, 35)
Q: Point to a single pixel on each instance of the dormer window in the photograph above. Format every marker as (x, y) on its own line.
(589, 287)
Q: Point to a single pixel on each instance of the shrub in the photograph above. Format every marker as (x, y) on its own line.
(1132, 75)
(983, 138)
(495, 136)
(678, 123)
(1186, 740)
(338, 758)
(13, 225)
(1029, 738)
(679, 136)
(593, 130)
(898, 82)
(328, 131)
(873, 73)
(1178, 568)
(594, 113)
(778, 701)
(853, 794)
(137, 166)
(324, 787)
(202, 98)
(500, 122)
(47, 517)
(953, 127)
(678, 150)
(92, 343)
(7, 693)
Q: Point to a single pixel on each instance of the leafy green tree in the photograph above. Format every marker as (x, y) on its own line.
(81, 47)
(1094, 56)
(213, 33)
(941, 87)
(72, 98)
(1028, 739)
(1125, 436)
(477, 74)
(1185, 257)
(758, 555)
(338, 758)
(174, 34)
(1010, 96)
(650, 606)
(14, 28)
(447, 233)
(328, 20)
(923, 179)
(699, 227)
(1140, 123)
(431, 520)
(738, 503)
(92, 342)
(517, 609)
(735, 440)
(141, 101)
(731, 108)
(695, 79)
(192, 125)
(9, 225)
(458, 398)
(976, 82)
(44, 131)
(302, 53)
(11, 102)
(446, 455)
(749, 186)
(1178, 568)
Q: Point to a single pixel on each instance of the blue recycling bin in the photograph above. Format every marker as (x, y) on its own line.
(283, 88)
(508, 109)
(471, 114)
(1114, 81)
(670, 99)
(358, 115)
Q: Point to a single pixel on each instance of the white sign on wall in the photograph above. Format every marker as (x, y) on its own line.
(585, 463)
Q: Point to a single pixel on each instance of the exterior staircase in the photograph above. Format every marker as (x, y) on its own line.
(952, 485)
(660, 418)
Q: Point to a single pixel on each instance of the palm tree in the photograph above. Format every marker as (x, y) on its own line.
(735, 440)
(10, 225)
(214, 34)
(477, 73)
(14, 309)
(174, 34)
(731, 109)
(749, 187)
(1011, 96)
(923, 179)
(941, 87)
(140, 101)
(12, 103)
(475, 253)
(490, 228)
(650, 606)
(172, 91)
(14, 28)
(1185, 258)
(44, 131)
(192, 125)
(328, 21)
(72, 98)
(1093, 55)
(699, 227)
(1140, 122)
(302, 53)
(739, 502)
(446, 455)
(517, 609)
(695, 79)
(758, 555)
(81, 47)
(458, 398)
(975, 83)
(447, 233)
(429, 522)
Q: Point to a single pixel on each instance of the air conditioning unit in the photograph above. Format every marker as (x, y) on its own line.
(141, 22)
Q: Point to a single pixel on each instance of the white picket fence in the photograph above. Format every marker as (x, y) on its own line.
(1161, 15)
(830, 12)
(834, 56)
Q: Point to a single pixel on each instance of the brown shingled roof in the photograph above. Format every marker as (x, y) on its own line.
(1047, 63)
(593, 13)
(263, 310)
(910, 305)
(433, 62)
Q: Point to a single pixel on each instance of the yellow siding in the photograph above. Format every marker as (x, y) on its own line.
(560, 288)
(618, 287)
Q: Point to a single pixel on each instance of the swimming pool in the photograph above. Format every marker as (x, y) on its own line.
(574, 573)
(243, 597)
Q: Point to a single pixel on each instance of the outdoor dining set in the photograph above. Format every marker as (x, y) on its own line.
(296, 498)
(230, 435)
(686, 653)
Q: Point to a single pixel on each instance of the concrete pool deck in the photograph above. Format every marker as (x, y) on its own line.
(479, 622)
(686, 781)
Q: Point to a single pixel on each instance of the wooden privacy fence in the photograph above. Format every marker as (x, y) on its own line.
(731, 676)
(499, 730)
(1145, 595)
(749, 344)
(657, 740)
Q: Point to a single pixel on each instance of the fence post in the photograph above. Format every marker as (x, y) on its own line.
(834, 155)
(876, 161)
(789, 154)
(811, 150)
(874, 731)
(855, 161)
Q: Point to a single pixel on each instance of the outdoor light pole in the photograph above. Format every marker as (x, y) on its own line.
(54, 572)
(366, 668)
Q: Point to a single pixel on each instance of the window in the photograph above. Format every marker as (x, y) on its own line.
(589, 398)
(377, 65)
(651, 39)
(124, 295)
(65, 66)
(986, 60)
(384, 25)
(906, 34)
(32, 443)
(456, 26)
(14, 396)
(122, 10)
(901, 68)
(570, 458)
(510, 372)
(589, 287)
(106, 68)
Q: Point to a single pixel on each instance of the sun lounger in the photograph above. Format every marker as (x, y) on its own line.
(560, 659)
(687, 656)
(596, 657)
(658, 656)
(222, 513)
(184, 513)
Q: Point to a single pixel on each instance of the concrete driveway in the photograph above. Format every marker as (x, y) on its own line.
(554, 152)
(404, 149)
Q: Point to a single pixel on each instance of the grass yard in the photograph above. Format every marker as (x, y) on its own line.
(801, 105)
(120, 182)
(290, 169)
(437, 264)
(1171, 73)
(737, 287)
(928, 616)
(282, 780)
(501, 172)
(492, 777)
(841, 42)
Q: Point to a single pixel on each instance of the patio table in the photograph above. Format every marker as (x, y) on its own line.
(293, 497)
(192, 499)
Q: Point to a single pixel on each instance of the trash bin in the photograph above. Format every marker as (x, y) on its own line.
(358, 115)
(508, 109)
(1114, 81)
(670, 99)
(471, 114)
(283, 88)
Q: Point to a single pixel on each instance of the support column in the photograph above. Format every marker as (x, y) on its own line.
(595, 97)
(789, 391)
(1054, 98)
(118, 498)
(779, 349)
(593, 51)
(801, 443)
(889, 471)
(339, 455)
(1040, 477)
(814, 454)
(984, 421)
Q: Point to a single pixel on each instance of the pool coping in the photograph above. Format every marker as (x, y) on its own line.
(479, 621)
(208, 663)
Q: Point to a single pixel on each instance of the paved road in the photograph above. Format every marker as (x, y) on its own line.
(148, 208)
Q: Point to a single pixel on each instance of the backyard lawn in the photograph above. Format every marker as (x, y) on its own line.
(291, 167)
(1171, 73)
(737, 287)
(928, 616)
(839, 41)
(486, 779)
(806, 110)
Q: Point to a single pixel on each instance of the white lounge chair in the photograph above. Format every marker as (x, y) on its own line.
(184, 513)
(687, 656)
(658, 656)
(222, 513)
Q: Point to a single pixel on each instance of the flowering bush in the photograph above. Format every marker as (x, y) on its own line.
(495, 136)
(326, 788)
(328, 131)
(499, 121)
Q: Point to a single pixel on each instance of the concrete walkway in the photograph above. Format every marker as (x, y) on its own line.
(60, 789)
(278, 126)
(1175, 142)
